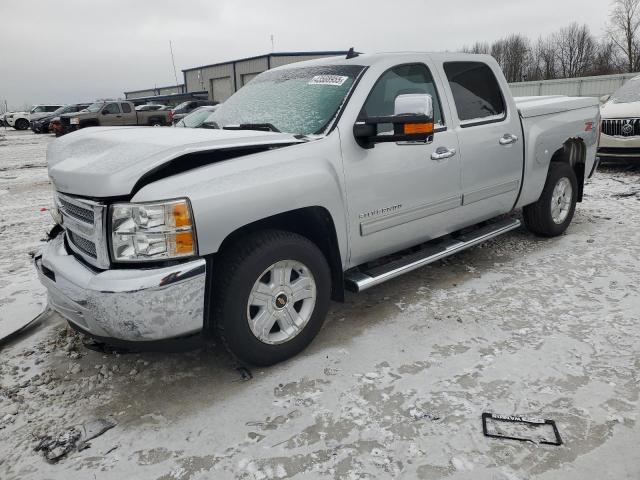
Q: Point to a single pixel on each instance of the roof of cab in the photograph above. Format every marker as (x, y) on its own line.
(371, 59)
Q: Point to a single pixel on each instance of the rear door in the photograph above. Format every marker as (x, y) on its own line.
(489, 132)
(400, 194)
(129, 116)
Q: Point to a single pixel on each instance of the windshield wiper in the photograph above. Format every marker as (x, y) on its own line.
(263, 127)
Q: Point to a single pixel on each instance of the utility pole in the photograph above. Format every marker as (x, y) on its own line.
(273, 44)
(175, 74)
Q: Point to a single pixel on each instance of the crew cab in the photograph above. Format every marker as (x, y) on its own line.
(314, 178)
(112, 114)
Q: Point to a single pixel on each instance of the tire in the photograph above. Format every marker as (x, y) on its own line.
(239, 304)
(539, 217)
(21, 124)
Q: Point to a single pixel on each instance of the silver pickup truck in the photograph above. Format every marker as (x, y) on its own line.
(326, 175)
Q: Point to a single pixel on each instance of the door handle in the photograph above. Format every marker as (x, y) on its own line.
(508, 139)
(443, 152)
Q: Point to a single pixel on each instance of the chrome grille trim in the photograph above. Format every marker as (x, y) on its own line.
(87, 246)
(81, 213)
(84, 222)
(616, 127)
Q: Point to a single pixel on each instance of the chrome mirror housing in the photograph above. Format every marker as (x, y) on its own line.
(414, 104)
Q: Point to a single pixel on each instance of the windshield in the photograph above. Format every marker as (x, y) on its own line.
(63, 109)
(629, 92)
(196, 118)
(37, 110)
(95, 107)
(301, 101)
(182, 106)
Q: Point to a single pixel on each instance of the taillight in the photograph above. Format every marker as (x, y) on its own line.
(171, 115)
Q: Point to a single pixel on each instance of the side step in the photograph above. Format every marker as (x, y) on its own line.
(358, 281)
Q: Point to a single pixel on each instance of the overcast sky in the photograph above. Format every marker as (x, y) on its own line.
(79, 50)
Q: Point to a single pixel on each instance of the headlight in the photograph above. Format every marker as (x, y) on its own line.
(74, 121)
(152, 231)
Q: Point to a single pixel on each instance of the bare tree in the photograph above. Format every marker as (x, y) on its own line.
(624, 22)
(512, 54)
(607, 60)
(478, 47)
(543, 65)
(575, 48)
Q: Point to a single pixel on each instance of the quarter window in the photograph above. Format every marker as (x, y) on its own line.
(476, 92)
(126, 108)
(400, 80)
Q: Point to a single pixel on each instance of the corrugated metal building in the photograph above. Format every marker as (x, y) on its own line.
(575, 87)
(150, 92)
(170, 95)
(221, 80)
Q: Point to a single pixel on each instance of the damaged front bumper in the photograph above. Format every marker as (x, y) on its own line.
(125, 304)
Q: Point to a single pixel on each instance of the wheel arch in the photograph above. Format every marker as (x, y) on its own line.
(314, 223)
(574, 153)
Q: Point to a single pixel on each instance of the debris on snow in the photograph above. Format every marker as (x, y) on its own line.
(72, 439)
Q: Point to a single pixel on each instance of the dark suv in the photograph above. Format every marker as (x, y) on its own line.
(42, 125)
(185, 108)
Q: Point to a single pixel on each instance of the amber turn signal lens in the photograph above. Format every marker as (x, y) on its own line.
(417, 128)
(184, 243)
(181, 215)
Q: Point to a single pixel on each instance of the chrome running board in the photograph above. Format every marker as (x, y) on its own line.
(359, 280)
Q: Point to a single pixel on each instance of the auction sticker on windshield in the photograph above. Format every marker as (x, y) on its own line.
(336, 80)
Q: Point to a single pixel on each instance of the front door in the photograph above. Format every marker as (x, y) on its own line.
(489, 133)
(111, 115)
(400, 194)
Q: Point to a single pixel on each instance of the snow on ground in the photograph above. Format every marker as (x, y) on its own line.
(393, 387)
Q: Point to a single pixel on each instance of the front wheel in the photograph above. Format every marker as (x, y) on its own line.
(21, 124)
(270, 296)
(552, 213)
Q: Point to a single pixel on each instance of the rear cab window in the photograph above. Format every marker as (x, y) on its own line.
(126, 108)
(476, 93)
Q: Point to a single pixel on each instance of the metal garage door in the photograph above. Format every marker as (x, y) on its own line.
(247, 77)
(221, 88)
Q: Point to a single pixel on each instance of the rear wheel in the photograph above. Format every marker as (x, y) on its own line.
(552, 213)
(21, 124)
(270, 297)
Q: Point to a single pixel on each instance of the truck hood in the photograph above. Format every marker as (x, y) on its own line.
(110, 161)
(620, 110)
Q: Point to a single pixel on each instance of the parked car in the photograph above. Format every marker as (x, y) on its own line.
(197, 117)
(350, 173)
(620, 128)
(150, 107)
(112, 113)
(20, 120)
(185, 108)
(42, 125)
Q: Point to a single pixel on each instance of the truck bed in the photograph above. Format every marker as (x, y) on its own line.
(536, 106)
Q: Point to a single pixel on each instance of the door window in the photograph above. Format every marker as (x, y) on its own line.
(126, 108)
(476, 92)
(111, 108)
(400, 80)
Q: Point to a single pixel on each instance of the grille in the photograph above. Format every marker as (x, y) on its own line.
(87, 246)
(65, 120)
(627, 127)
(77, 212)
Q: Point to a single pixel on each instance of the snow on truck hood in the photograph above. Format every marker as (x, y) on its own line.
(109, 161)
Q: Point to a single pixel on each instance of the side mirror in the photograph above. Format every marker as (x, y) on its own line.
(105, 112)
(412, 121)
